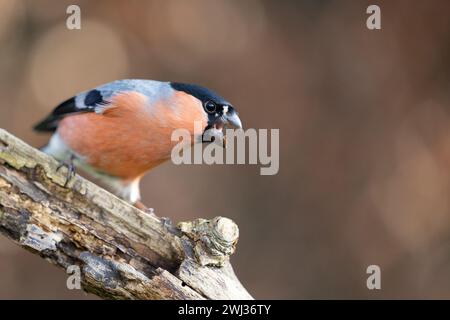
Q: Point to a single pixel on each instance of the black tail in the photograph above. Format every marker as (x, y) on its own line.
(48, 125)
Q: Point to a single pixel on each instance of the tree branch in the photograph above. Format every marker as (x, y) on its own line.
(122, 252)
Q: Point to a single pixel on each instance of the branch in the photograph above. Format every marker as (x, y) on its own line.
(122, 252)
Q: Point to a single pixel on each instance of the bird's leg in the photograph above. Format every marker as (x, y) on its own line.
(70, 169)
(144, 208)
(166, 221)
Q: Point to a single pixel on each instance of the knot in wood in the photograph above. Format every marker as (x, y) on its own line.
(215, 239)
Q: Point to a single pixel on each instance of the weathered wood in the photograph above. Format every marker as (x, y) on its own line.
(123, 253)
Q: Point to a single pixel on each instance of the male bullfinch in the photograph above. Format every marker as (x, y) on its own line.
(120, 130)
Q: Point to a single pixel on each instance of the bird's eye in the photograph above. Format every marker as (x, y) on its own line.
(210, 106)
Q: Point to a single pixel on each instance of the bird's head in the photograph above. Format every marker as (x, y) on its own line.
(220, 113)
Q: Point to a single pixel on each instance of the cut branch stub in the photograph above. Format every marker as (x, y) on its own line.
(215, 240)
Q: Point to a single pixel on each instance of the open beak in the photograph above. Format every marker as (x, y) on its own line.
(229, 120)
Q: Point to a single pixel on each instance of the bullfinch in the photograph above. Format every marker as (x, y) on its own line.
(118, 131)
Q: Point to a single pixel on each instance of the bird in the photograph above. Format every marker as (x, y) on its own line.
(119, 131)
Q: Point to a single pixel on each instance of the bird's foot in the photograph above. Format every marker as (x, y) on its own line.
(144, 208)
(68, 164)
(165, 221)
(150, 211)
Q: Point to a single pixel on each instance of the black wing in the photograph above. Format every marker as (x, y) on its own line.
(69, 107)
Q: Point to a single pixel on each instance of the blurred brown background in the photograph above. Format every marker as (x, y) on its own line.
(364, 119)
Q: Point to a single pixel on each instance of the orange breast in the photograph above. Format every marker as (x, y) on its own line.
(131, 137)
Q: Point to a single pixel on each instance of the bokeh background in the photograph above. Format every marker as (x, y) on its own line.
(364, 119)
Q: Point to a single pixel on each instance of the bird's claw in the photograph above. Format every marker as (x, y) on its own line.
(70, 170)
(166, 222)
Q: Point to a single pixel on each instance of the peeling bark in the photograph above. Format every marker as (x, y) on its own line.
(123, 253)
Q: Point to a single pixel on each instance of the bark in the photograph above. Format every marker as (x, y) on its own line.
(122, 252)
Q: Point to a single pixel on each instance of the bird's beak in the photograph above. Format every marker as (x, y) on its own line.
(232, 120)
(229, 119)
